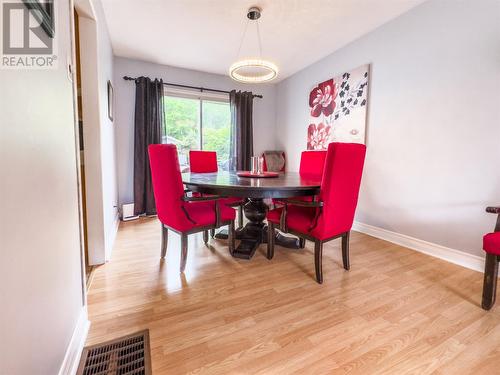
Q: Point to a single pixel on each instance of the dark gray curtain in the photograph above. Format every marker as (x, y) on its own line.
(148, 128)
(241, 147)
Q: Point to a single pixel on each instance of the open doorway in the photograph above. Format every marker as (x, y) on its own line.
(88, 268)
(92, 71)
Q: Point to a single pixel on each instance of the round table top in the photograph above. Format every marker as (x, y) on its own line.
(229, 184)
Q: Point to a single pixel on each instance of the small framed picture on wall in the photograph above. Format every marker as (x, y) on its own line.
(111, 97)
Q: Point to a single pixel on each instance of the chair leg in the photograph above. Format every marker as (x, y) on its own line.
(490, 281)
(205, 236)
(184, 250)
(270, 240)
(302, 242)
(240, 217)
(345, 250)
(212, 233)
(164, 240)
(231, 238)
(318, 255)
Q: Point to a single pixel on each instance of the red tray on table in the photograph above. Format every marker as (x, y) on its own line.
(257, 175)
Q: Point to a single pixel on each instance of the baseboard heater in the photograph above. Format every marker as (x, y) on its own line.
(128, 212)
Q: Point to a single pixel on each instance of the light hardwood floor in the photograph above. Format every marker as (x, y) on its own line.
(395, 312)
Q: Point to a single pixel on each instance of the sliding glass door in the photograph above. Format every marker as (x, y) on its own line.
(197, 121)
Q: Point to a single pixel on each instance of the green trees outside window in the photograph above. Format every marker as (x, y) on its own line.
(189, 131)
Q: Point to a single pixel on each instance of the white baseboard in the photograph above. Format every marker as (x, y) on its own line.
(76, 344)
(458, 257)
(112, 238)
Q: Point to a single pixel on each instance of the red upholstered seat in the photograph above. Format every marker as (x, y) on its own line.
(231, 200)
(298, 218)
(203, 213)
(339, 193)
(491, 243)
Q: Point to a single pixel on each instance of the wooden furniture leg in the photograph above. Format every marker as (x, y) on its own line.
(490, 281)
(184, 250)
(164, 240)
(302, 242)
(240, 217)
(212, 233)
(270, 241)
(318, 255)
(231, 238)
(205, 236)
(345, 250)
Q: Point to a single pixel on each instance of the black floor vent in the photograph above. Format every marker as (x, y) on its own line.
(127, 355)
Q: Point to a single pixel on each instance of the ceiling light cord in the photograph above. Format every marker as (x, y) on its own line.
(242, 39)
(258, 36)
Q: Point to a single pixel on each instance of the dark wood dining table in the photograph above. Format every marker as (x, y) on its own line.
(254, 191)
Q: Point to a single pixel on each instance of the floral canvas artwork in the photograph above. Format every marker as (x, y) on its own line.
(337, 110)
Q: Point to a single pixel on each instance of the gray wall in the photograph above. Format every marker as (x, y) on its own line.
(264, 110)
(434, 120)
(41, 285)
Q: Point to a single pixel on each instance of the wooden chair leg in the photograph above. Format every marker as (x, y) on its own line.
(231, 238)
(270, 240)
(184, 250)
(212, 233)
(240, 217)
(205, 236)
(302, 242)
(318, 255)
(345, 250)
(164, 240)
(490, 281)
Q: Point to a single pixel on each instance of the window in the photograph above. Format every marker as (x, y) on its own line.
(197, 121)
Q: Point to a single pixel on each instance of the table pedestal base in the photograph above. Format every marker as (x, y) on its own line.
(254, 232)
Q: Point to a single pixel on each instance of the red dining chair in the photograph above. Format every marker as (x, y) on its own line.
(332, 215)
(312, 163)
(203, 161)
(178, 212)
(491, 244)
(311, 166)
(274, 161)
(206, 162)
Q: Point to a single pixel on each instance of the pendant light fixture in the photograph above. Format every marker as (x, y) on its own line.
(253, 70)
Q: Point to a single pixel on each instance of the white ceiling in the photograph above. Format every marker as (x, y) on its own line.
(205, 34)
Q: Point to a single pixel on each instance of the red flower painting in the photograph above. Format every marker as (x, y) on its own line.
(337, 109)
(318, 136)
(322, 99)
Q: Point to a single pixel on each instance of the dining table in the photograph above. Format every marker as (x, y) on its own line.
(254, 193)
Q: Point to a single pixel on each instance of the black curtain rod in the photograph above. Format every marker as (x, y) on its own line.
(127, 78)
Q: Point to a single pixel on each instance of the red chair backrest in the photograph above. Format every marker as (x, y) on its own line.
(203, 161)
(340, 187)
(167, 185)
(312, 163)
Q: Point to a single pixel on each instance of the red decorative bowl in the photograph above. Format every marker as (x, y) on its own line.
(257, 175)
